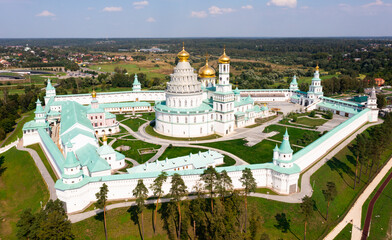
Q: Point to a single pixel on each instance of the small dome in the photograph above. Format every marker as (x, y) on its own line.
(206, 71)
(104, 138)
(317, 67)
(224, 58)
(183, 55)
(94, 94)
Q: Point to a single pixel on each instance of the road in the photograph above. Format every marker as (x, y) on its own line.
(354, 215)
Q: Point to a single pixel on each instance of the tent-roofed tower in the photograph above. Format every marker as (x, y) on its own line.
(50, 91)
(136, 86)
(294, 84)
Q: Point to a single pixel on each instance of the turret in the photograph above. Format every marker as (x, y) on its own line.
(372, 100)
(72, 173)
(50, 90)
(294, 84)
(136, 86)
(284, 154)
(39, 112)
(315, 89)
(224, 68)
(94, 101)
(237, 94)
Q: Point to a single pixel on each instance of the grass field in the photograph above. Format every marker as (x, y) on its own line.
(296, 134)
(345, 234)
(311, 122)
(134, 124)
(148, 68)
(41, 154)
(381, 223)
(135, 145)
(261, 152)
(21, 187)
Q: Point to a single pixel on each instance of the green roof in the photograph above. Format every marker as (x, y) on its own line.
(75, 132)
(35, 125)
(53, 149)
(162, 107)
(76, 175)
(135, 81)
(71, 114)
(294, 81)
(125, 104)
(89, 157)
(105, 149)
(285, 145)
(243, 101)
(38, 108)
(94, 110)
(109, 115)
(236, 91)
(71, 161)
(49, 85)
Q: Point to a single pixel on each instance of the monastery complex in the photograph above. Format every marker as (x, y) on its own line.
(195, 104)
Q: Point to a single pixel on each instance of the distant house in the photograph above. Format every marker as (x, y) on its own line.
(379, 81)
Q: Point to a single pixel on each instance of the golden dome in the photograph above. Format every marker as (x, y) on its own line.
(104, 138)
(224, 58)
(317, 67)
(206, 71)
(183, 55)
(94, 94)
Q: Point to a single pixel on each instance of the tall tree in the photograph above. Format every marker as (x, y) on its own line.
(225, 185)
(210, 177)
(361, 151)
(25, 224)
(177, 191)
(140, 192)
(329, 195)
(307, 210)
(157, 190)
(102, 197)
(249, 184)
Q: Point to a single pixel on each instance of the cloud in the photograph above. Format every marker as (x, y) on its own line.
(45, 13)
(247, 7)
(283, 3)
(112, 9)
(140, 5)
(150, 19)
(201, 14)
(214, 10)
(377, 3)
(90, 8)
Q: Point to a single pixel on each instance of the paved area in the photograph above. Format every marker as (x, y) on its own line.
(286, 107)
(354, 215)
(256, 137)
(331, 124)
(42, 169)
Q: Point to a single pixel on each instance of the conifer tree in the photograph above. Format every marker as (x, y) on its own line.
(157, 190)
(102, 197)
(210, 178)
(329, 195)
(249, 184)
(307, 210)
(177, 191)
(140, 192)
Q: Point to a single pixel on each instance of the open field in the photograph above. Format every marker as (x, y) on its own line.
(261, 152)
(312, 122)
(297, 136)
(21, 187)
(135, 145)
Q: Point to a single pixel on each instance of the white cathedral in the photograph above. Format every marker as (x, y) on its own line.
(196, 108)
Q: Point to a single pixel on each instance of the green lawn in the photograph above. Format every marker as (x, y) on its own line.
(120, 117)
(135, 145)
(150, 130)
(21, 187)
(381, 223)
(311, 122)
(42, 155)
(131, 69)
(148, 116)
(345, 234)
(297, 136)
(134, 124)
(18, 130)
(260, 121)
(261, 152)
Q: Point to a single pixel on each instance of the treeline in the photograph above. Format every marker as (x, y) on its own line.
(12, 106)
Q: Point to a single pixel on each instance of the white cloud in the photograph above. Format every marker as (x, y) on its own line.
(214, 10)
(90, 8)
(283, 3)
(247, 7)
(45, 13)
(139, 5)
(377, 3)
(150, 19)
(112, 9)
(201, 14)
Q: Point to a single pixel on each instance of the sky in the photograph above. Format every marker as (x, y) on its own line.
(194, 18)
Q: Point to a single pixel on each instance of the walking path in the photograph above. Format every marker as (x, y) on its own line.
(42, 169)
(354, 215)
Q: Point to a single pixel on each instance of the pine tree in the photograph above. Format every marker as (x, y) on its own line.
(102, 197)
(177, 191)
(225, 185)
(307, 210)
(140, 192)
(210, 178)
(157, 190)
(249, 184)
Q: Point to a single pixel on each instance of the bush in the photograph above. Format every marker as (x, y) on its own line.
(312, 114)
(329, 115)
(295, 118)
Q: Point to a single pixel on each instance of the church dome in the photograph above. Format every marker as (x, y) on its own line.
(183, 55)
(94, 94)
(206, 71)
(224, 58)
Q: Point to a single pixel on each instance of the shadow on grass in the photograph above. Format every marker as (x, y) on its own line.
(134, 213)
(152, 208)
(283, 224)
(340, 167)
(2, 169)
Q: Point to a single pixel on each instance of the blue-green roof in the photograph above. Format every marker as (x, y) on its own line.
(71, 161)
(236, 91)
(109, 115)
(49, 85)
(75, 132)
(204, 107)
(105, 149)
(91, 110)
(76, 175)
(294, 81)
(38, 108)
(89, 157)
(243, 101)
(53, 149)
(35, 125)
(285, 145)
(136, 81)
(71, 114)
(125, 104)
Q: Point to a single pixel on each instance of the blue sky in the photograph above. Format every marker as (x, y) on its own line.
(194, 18)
